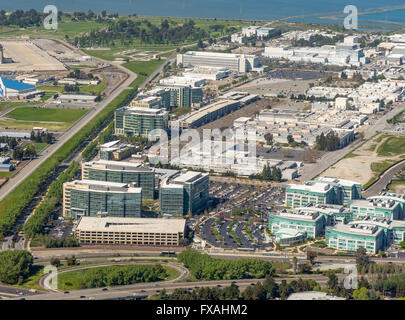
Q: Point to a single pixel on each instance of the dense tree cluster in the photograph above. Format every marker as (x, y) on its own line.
(127, 31)
(15, 266)
(54, 196)
(328, 142)
(42, 137)
(268, 174)
(21, 18)
(120, 275)
(60, 243)
(28, 152)
(317, 40)
(203, 267)
(266, 290)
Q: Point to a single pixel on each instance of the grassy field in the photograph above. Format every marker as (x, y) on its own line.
(378, 168)
(46, 114)
(394, 145)
(6, 174)
(94, 89)
(141, 68)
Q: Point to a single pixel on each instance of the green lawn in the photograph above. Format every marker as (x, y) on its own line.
(394, 145)
(378, 168)
(141, 68)
(72, 280)
(46, 114)
(6, 174)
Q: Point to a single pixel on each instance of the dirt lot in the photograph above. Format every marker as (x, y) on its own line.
(27, 56)
(357, 165)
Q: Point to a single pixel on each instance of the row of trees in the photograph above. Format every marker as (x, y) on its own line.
(317, 40)
(21, 18)
(54, 197)
(127, 31)
(328, 142)
(28, 152)
(42, 137)
(268, 174)
(203, 267)
(267, 290)
(120, 275)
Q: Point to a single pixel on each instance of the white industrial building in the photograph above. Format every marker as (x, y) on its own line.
(207, 73)
(347, 53)
(235, 62)
(183, 81)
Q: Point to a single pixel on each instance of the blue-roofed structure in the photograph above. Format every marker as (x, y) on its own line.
(10, 87)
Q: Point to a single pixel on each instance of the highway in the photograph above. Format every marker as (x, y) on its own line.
(155, 287)
(51, 149)
(310, 171)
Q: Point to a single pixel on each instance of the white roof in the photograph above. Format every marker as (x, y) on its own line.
(118, 224)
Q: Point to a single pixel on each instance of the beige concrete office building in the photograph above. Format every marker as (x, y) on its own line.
(130, 231)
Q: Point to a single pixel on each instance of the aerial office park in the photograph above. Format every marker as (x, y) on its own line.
(310, 110)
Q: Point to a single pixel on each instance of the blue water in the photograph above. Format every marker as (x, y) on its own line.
(233, 9)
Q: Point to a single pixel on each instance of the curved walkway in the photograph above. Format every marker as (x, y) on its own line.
(183, 272)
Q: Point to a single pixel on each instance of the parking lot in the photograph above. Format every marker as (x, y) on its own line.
(240, 217)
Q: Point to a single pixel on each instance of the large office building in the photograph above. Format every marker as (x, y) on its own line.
(235, 62)
(121, 172)
(182, 95)
(325, 190)
(130, 231)
(184, 193)
(350, 237)
(332, 213)
(116, 150)
(304, 221)
(397, 198)
(380, 208)
(350, 190)
(90, 197)
(133, 121)
(209, 113)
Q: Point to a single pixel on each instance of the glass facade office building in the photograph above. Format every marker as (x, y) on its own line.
(133, 121)
(89, 198)
(186, 193)
(121, 172)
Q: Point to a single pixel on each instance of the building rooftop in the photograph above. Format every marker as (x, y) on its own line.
(357, 228)
(16, 85)
(103, 186)
(311, 186)
(312, 295)
(373, 203)
(307, 215)
(117, 224)
(117, 165)
(342, 182)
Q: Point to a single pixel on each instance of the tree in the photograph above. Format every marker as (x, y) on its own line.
(248, 293)
(294, 263)
(361, 294)
(55, 262)
(332, 281)
(362, 258)
(305, 268)
(71, 261)
(15, 266)
(271, 288)
(258, 292)
(269, 138)
(311, 255)
(290, 139)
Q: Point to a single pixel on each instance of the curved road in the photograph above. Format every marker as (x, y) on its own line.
(183, 272)
(382, 182)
